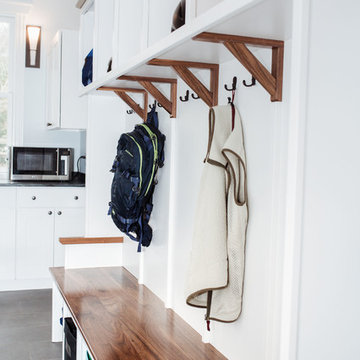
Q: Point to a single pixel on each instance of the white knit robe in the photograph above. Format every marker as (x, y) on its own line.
(216, 272)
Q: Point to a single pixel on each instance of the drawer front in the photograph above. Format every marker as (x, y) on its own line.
(51, 197)
(7, 197)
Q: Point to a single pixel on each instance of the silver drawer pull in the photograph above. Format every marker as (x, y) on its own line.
(76, 197)
(50, 212)
(34, 197)
(59, 212)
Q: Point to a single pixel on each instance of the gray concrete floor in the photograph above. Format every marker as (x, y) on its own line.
(25, 326)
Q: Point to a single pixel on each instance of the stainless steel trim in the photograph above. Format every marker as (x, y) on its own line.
(44, 177)
(41, 177)
(57, 161)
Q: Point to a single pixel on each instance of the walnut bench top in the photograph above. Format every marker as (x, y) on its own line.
(120, 319)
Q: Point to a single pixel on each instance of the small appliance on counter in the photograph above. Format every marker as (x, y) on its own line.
(41, 163)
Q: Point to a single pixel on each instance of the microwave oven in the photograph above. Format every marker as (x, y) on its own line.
(41, 163)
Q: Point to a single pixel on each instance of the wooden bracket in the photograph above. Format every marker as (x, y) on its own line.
(210, 97)
(272, 82)
(147, 83)
(122, 93)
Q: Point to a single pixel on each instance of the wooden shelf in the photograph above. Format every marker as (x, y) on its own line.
(88, 240)
(225, 17)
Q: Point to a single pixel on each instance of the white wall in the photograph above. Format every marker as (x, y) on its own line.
(329, 314)
(162, 266)
(163, 270)
(247, 337)
(51, 15)
(105, 125)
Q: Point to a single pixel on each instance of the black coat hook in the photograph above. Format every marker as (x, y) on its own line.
(233, 87)
(153, 106)
(186, 96)
(195, 96)
(253, 82)
(131, 111)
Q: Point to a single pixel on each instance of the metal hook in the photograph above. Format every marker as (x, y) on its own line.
(253, 82)
(159, 105)
(153, 106)
(131, 111)
(186, 96)
(195, 96)
(233, 87)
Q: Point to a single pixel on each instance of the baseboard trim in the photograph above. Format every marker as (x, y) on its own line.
(28, 284)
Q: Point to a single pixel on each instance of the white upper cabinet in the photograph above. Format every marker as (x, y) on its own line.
(87, 36)
(105, 37)
(7, 233)
(53, 92)
(65, 109)
(131, 29)
(115, 30)
(202, 6)
(160, 19)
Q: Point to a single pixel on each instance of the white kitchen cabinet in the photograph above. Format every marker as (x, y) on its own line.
(160, 26)
(65, 109)
(104, 51)
(38, 246)
(7, 234)
(43, 215)
(53, 92)
(87, 27)
(132, 21)
(34, 245)
(68, 222)
(204, 5)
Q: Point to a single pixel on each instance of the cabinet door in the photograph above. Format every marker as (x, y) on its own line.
(53, 93)
(130, 32)
(7, 243)
(73, 108)
(68, 223)
(160, 26)
(34, 245)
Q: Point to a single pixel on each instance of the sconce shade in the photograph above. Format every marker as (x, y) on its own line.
(33, 42)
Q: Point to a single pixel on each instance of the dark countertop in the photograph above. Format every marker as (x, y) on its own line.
(77, 181)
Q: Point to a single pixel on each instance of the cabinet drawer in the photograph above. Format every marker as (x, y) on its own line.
(51, 197)
(7, 197)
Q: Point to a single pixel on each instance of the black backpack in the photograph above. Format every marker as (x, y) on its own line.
(139, 155)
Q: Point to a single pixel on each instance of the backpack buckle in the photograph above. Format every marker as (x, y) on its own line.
(135, 189)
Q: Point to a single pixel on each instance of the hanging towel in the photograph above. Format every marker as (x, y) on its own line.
(216, 271)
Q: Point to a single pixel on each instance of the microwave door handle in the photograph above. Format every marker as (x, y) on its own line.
(58, 162)
(66, 159)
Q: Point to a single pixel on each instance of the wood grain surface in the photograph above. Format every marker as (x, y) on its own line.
(222, 38)
(120, 319)
(90, 240)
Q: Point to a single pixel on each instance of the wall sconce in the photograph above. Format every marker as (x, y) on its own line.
(33, 42)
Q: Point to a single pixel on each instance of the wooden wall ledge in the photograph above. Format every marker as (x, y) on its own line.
(90, 240)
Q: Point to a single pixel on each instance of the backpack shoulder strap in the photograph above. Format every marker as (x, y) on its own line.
(152, 118)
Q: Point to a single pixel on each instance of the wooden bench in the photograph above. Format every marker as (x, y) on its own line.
(119, 319)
